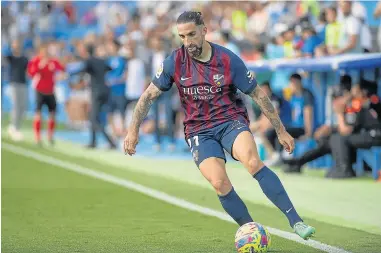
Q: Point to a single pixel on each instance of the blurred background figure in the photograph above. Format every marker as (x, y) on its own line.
(116, 79)
(42, 69)
(96, 66)
(164, 102)
(18, 64)
(301, 127)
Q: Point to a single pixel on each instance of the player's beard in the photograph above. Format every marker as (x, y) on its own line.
(194, 50)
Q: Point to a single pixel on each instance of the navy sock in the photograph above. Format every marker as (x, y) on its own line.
(235, 207)
(274, 190)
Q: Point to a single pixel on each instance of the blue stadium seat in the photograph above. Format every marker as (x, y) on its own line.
(372, 157)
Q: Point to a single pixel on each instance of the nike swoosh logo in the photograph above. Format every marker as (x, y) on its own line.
(289, 210)
(185, 78)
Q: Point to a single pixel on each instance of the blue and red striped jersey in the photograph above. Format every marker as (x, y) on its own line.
(208, 90)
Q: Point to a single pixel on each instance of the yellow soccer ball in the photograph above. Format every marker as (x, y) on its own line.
(252, 237)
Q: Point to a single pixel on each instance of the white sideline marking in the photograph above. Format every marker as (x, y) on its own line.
(159, 195)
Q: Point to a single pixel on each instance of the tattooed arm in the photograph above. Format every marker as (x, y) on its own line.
(260, 97)
(140, 112)
(143, 106)
(285, 139)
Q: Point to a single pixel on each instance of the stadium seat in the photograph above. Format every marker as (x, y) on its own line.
(372, 157)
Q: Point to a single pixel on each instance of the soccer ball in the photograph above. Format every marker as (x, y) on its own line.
(252, 237)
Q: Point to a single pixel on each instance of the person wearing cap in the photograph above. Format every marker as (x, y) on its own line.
(340, 94)
(359, 126)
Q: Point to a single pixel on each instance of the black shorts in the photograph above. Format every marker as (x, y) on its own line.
(48, 100)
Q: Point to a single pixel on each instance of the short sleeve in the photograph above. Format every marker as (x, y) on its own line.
(308, 98)
(163, 78)
(243, 79)
(353, 26)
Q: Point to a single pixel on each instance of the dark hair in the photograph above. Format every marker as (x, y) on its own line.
(322, 17)
(266, 83)
(346, 82)
(225, 35)
(190, 16)
(296, 76)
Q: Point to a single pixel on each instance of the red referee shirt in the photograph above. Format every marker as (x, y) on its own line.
(43, 78)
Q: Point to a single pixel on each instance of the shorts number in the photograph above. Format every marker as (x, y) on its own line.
(195, 138)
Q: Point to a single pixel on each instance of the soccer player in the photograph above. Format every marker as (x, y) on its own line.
(207, 77)
(42, 69)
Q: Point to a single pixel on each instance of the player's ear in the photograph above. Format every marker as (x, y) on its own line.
(204, 30)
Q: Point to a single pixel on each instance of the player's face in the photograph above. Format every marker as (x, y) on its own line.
(16, 46)
(295, 85)
(345, 7)
(193, 37)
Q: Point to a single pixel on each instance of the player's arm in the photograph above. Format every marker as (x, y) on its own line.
(377, 11)
(144, 104)
(267, 108)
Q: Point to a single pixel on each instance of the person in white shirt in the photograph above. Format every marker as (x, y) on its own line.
(136, 77)
(358, 10)
(377, 14)
(162, 108)
(351, 38)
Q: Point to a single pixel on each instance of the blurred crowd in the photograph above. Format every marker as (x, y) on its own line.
(135, 37)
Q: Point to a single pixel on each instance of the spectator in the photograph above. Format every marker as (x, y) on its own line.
(302, 117)
(350, 42)
(320, 28)
(97, 67)
(18, 64)
(377, 14)
(165, 100)
(227, 42)
(136, 76)
(359, 126)
(258, 22)
(341, 94)
(117, 99)
(311, 42)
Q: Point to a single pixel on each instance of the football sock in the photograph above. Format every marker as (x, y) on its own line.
(274, 190)
(235, 207)
(37, 129)
(51, 125)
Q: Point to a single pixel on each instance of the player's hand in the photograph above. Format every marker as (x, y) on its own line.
(287, 141)
(130, 142)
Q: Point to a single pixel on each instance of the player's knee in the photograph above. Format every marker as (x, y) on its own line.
(254, 165)
(52, 115)
(221, 186)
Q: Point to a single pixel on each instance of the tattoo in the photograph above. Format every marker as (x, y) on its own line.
(267, 108)
(144, 104)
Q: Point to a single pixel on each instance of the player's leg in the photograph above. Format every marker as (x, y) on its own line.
(210, 158)
(103, 101)
(37, 117)
(240, 143)
(244, 149)
(111, 108)
(52, 105)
